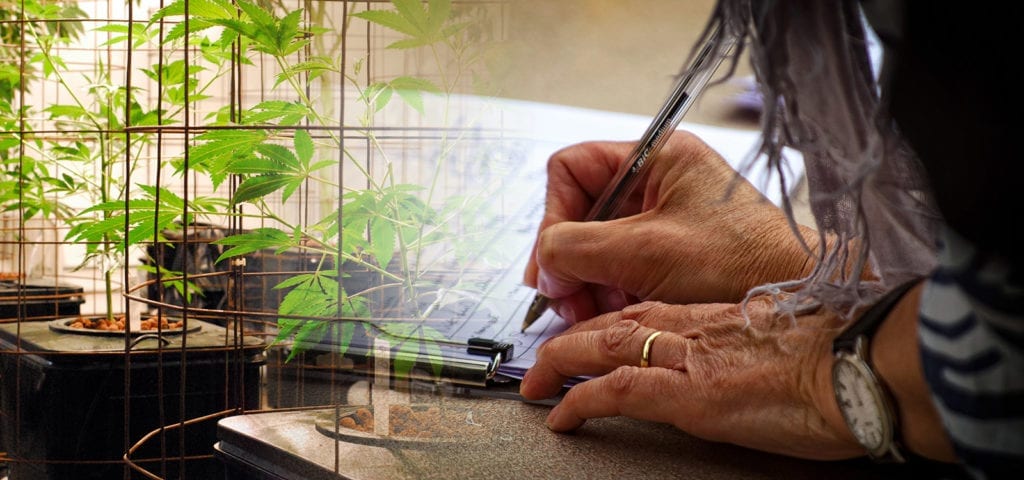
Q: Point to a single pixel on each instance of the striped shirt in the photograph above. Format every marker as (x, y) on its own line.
(972, 346)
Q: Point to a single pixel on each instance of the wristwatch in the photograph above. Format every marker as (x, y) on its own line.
(863, 399)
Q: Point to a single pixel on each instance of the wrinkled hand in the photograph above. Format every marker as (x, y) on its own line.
(766, 386)
(682, 239)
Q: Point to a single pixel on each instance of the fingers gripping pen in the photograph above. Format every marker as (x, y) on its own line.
(716, 48)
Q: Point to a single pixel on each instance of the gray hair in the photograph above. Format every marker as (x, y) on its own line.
(868, 192)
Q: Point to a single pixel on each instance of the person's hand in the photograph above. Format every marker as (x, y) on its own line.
(683, 238)
(765, 386)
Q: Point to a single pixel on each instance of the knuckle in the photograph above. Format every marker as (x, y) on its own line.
(677, 357)
(621, 381)
(616, 337)
(547, 244)
(557, 160)
(641, 312)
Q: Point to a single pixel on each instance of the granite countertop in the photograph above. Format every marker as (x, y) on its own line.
(503, 439)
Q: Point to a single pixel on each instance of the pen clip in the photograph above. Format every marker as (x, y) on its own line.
(486, 346)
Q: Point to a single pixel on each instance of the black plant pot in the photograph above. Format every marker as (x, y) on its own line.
(195, 254)
(64, 398)
(39, 299)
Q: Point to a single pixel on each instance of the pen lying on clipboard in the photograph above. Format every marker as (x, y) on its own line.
(716, 48)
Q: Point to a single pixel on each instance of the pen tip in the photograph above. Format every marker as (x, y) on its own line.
(540, 303)
(531, 316)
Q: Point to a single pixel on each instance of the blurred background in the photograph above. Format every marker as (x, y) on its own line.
(615, 55)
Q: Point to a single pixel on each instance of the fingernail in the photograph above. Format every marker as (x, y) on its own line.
(617, 300)
(543, 284)
(564, 311)
(550, 420)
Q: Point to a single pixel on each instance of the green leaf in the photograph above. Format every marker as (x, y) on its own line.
(303, 278)
(405, 359)
(413, 99)
(377, 94)
(67, 111)
(313, 67)
(256, 13)
(196, 9)
(382, 238)
(256, 240)
(424, 26)
(415, 339)
(434, 352)
(413, 11)
(389, 19)
(254, 165)
(216, 150)
(440, 10)
(167, 197)
(303, 146)
(410, 43)
(310, 333)
(287, 113)
(259, 186)
(406, 82)
(283, 158)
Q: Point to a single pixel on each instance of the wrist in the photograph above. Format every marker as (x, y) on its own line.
(897, 361)
(862, 395)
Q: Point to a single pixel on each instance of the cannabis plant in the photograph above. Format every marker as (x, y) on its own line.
(291, 152)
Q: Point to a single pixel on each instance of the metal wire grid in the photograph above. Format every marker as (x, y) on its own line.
(38, 247)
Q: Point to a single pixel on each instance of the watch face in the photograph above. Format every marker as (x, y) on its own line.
(862, 404)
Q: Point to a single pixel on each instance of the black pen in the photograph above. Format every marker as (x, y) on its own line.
(696, 76)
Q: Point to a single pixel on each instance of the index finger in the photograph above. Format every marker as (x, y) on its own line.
(576, 177)
(633, 391)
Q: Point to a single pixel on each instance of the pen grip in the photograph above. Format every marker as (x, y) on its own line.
(696, 77)
(630, 173)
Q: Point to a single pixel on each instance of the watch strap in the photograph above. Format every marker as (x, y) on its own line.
(867, 324)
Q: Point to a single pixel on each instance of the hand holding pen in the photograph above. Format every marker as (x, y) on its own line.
(608, 205)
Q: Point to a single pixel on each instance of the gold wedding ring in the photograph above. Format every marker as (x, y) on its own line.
(645, 357)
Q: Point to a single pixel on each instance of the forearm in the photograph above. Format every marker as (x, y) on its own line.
(896, 356)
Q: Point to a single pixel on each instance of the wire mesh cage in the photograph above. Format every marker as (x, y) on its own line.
(205, 204)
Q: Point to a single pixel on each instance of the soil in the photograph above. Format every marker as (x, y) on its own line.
(416, 422)
(117, 324)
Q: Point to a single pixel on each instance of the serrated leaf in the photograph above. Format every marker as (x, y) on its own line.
(259, 186)
(196, 9)
(285, 328)
(66, 111)
(290, 48)
(166, 196)
(321, 164)
(253, 165)
(215, 150)
(288, 113)
(281, 155)
(413, 98)
(255, 12)
(439, 11)
(409, 43)
(381, 99)
(389, 19)
(295, 280)
(406, 82)
(258, 239)
(303, 146)
(382, 239)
